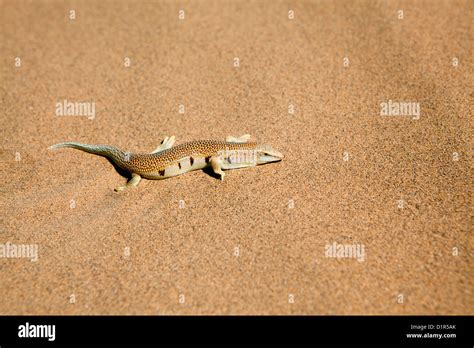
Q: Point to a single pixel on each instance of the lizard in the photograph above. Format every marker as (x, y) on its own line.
(168, 161)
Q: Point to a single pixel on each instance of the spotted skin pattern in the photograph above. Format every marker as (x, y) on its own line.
(167, 160)
(149, 163)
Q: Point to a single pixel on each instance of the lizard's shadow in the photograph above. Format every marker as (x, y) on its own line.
(119, 170)
(210, 172)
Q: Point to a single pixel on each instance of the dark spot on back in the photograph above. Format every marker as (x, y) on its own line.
(191, 160)
(179, 165)
(208, 159)
(162, 172)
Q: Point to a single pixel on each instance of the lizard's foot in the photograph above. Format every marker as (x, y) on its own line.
(133, 182)
(216, 167)
(242, 139)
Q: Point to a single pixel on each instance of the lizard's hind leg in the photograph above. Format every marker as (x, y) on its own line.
(167, 143)
(133, 182)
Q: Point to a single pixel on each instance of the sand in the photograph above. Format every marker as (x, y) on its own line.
(400, 187)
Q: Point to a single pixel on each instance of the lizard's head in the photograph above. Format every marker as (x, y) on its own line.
(266, 154)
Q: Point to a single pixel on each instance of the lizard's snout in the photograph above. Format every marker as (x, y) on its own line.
(267, 154)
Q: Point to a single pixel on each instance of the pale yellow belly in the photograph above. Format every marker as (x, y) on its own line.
(184, 165)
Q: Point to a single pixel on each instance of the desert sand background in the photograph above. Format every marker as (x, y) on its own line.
(255, 243)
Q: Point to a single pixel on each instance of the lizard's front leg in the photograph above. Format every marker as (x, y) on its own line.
(133, 182)
(242, 139)
(216, 165)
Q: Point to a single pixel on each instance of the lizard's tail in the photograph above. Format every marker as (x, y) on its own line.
(115, 155)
